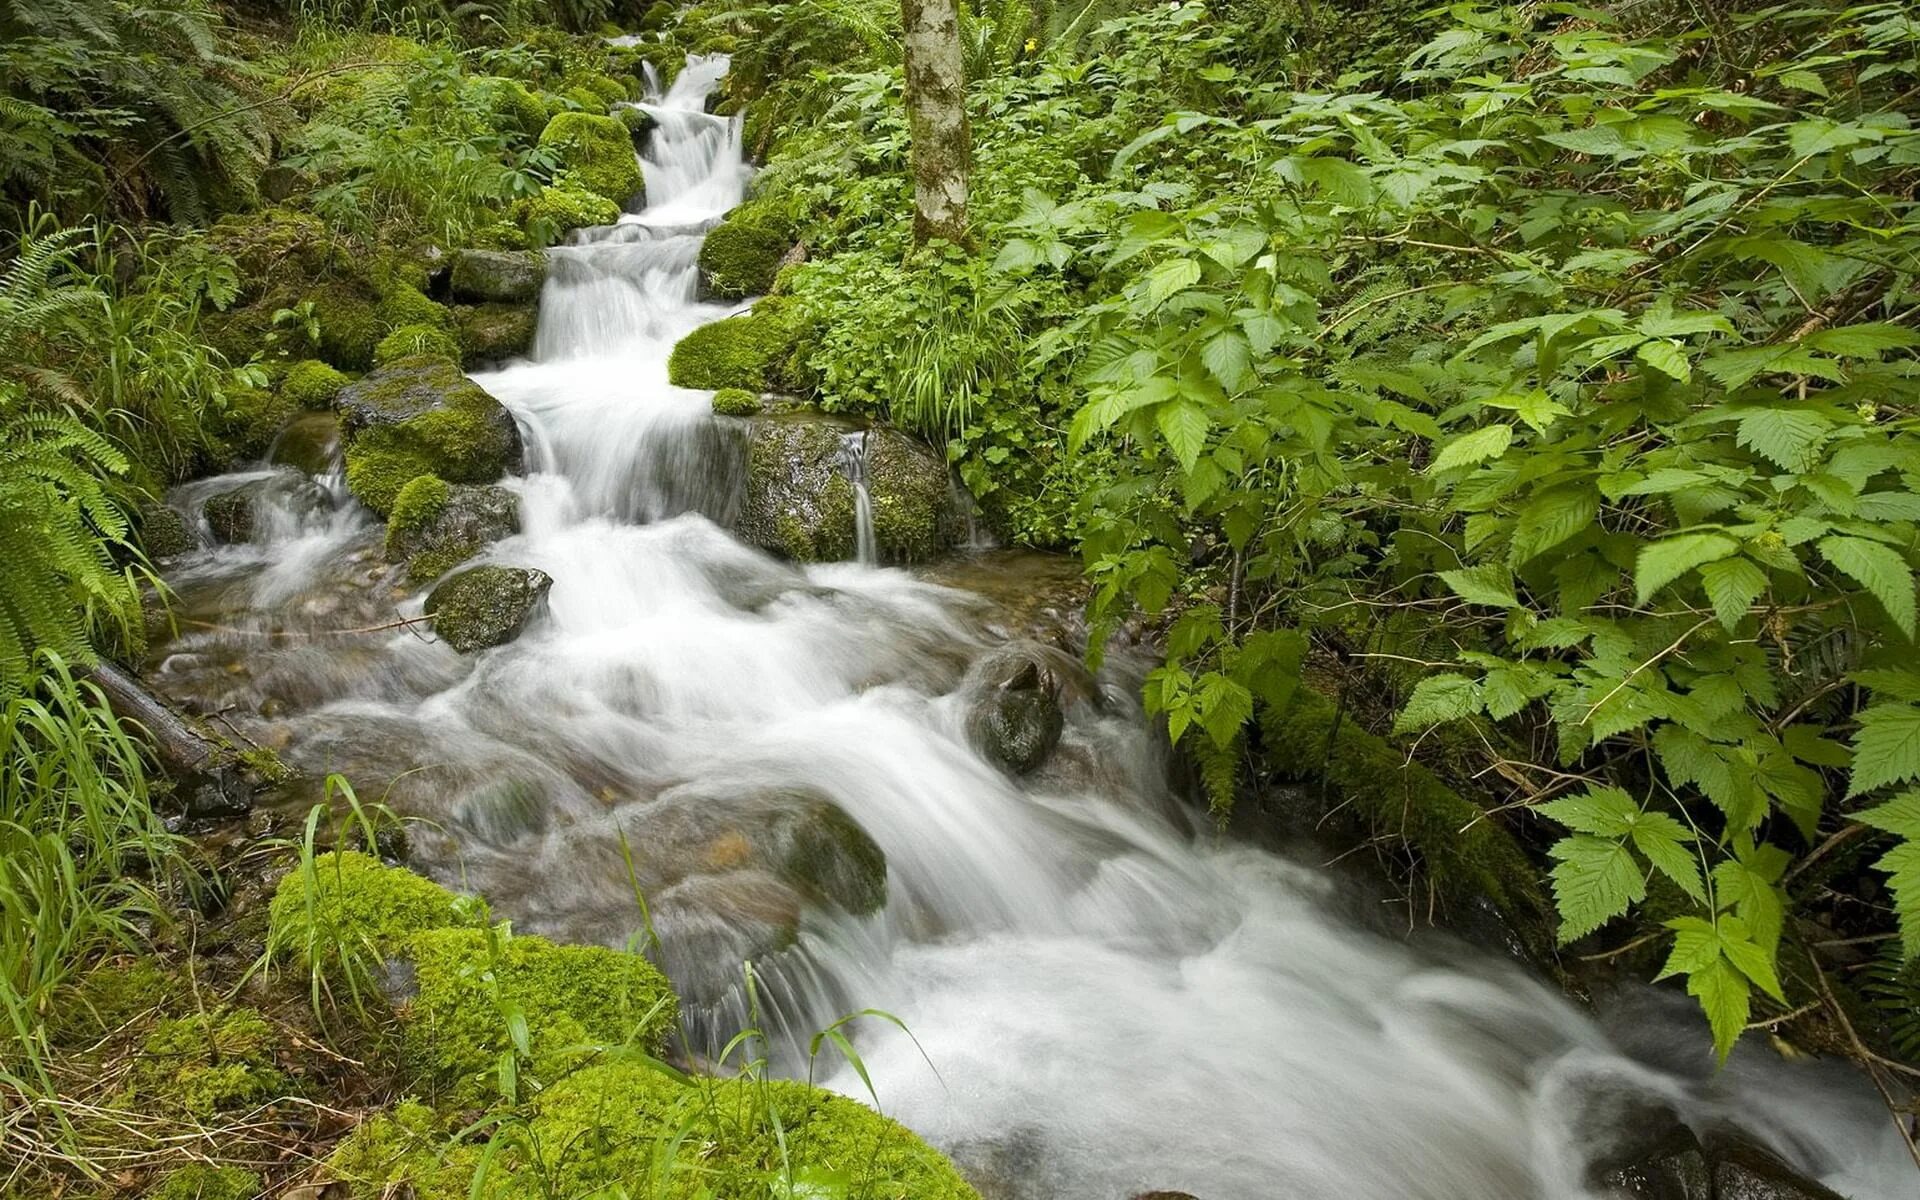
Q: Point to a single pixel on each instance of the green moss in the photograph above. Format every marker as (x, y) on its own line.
(1467, 853)
(495, 332)
(380, 463)
(204, 1181)
(311, 385)
(598, 153)
(349, 899)
(570, 996)
(756, 350)
(419, 502)
(421, 416)
(563, 207)
(164, 532)
(485, 606)
(735, 402)
(740, 257)
(513, 108)
(411, 340)
(249, 419)
(207, 1062)
(403, 305)
(111, 997)
(349, 325)
(913, 500)
(403, 1152)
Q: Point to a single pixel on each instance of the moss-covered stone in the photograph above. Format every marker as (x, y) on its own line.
(486, 605)
(422, 416)
(311, 385)
(570, 996)
(247, 420)
(309, 443)
(639, 123)
(832, 858)
(800, 503)
(1467, 853)
(598, 152)
(741, 255)
(735, 402)
(514, 109)
(404, 304)
(346, 898)
(916, 513)
(562, 207)
(436, 526)
(164, 532)
(498, 276)
(491, 333)
(204, 1181)
(207, 1062)
(758, 350)
(409, 341)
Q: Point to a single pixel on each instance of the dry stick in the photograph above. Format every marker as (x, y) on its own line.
(1868, 1058)
(402, 623)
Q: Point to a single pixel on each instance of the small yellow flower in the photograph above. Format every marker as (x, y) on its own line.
(1032, 45)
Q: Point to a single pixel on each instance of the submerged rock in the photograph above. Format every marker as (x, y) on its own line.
(1019, 710)
(422, 416)
(240, 514)
(1669, 1162)
(486, 605)
(801, 501)
(498, 276)
(436, 526)
(307, 443)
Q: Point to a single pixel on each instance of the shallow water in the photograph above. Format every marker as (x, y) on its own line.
(1103, 1000)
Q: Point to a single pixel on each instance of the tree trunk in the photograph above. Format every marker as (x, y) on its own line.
(937, 119)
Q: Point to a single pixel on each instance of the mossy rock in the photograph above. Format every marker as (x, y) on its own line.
(514, 108)
(346, 898)
(236, 516)
(309, 443)
(422, 416)
(1468, 853)
(597, 152)
(165, 533)
(409, 341)
(491, 333)
(311, 385)
(607, 1129)
(742, 254)
(405, 304)
(561, 208)
(832, 858)
(486, 606)
(248, 419)
(498, 276)
(758, 350)
(207, 1062)
(204, 1181)
(639, 123)
(570, 996)
(800, 502)
(735, 402)
(436, 526)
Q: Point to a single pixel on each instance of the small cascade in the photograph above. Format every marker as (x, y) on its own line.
(853, 460)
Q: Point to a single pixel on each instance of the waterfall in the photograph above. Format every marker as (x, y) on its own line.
(1111, 1001)
(853, 456)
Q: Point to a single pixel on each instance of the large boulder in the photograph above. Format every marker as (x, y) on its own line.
(760, 350)
(801, 499)
(596, 152)
(498, 276)
(422, 416)
(1667, 1161)
(486, 606)
(742, 254)
(436, 525)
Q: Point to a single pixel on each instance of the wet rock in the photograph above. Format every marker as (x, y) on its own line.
(832, 858)
(221, 794)
(486, 605)
(742, 254)
(492, 333)
(308, 443)
(498, 276)
(455, 523)
(423, 416)
(1019, 711)
(1165, 1196)
(1745, 1171)
(1673, 1168)
(164, 533)
(238, 515)
(1654, 1156)
(800, 499)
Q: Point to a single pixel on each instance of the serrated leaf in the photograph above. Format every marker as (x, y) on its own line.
(1726, 998)
(1902, 865)
(1184, 424)
(1732, 584)
(1664, 561)
(1881, 570)
(1477, 446)
(1787, 437)
(1886, 748)
(1595, 880)
(1663, 840)
(1437, 699)
(1490, 584)
(1227, 358)
(1899, 815)
(1696, 945)
(1169, 279)
(1602, 811)
(1668, 358)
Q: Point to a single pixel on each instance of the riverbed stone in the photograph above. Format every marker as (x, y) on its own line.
(436, 526)
(423, 416)
(234, 516)
(800, 501)
(828, 855)
(498, 276)
(308, 443)
(1019, 707)
(491, 333)
(164, 532)
(486, 606)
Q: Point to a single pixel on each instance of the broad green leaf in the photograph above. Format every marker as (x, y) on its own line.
(1550, 519)
(1787, 437)
(1227, 358)
(1886, 748)
(1477, 446)
(1668, 358)
(1595, 881)
(1899, 815)
(1490, 584)
(1169, 279)
(1602, 811)
(1732, 584)
(1666, 560)
(1726, 998)
(1436, 699)
(1184, 424)
(1663, 839)
(1881, 570)
(1902, 865)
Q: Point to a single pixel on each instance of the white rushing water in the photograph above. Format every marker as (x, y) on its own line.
(1113, 1001)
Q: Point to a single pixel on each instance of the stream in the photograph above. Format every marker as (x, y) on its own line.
(1103, 998)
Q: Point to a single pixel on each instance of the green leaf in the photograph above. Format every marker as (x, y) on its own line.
(1663, 839)
(1469, 448)
(1228, 358)
(1184, 425)
(1438, 698)
(1169, 279)
(1733, 584)
(1902, 865)
(1899, 815)
(1668, 358)
(1881, 570)
(1787, 437)
(1550, 519)
(1490, 584)
(1726, 998)
(1664, 561)
(1602, 811)
(1886, 748)
(1595, 881)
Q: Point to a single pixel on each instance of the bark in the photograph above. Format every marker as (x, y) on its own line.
(937, 119)
(183, 748)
